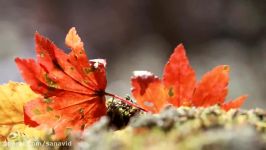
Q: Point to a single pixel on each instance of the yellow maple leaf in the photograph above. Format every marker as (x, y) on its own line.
(13, 96)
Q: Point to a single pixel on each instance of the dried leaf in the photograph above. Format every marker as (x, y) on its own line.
(12, 98)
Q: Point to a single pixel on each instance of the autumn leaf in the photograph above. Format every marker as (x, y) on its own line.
(72, 87)
(179, 78)
(149, 91)
(179, 87)
(233, 104)
(12, 98)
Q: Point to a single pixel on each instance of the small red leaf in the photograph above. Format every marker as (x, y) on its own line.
(234, 104)
(179, 86)
(148, 91)
(213, 87)
(180, 77)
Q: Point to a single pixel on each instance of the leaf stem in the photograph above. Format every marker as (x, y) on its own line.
(124, 100)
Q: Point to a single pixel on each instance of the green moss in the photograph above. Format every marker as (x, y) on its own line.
(120, 113)
(187, 129)
(174, 128)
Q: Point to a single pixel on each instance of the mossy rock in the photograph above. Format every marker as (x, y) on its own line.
(182, 128)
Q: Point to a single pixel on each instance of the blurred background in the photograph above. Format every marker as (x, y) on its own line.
(141, 35)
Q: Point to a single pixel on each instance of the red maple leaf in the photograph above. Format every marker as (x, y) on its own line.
(73, 87)
(179, 88)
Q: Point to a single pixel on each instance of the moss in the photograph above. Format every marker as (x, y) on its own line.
(185, 128)
(120, 113)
